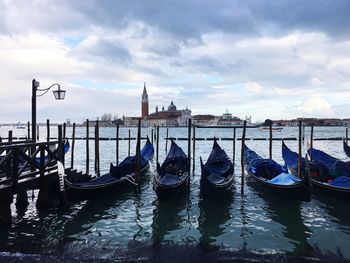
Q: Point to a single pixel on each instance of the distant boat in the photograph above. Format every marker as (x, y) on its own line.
(265, 128)
(20, 126)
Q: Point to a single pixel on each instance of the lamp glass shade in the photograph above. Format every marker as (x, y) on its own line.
(59, 94)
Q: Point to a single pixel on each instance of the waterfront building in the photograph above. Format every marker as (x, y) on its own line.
(171, 117)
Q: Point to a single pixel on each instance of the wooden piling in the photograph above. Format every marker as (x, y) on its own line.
(97, 150)
(129, 143)
(138, 152)
(28, 130)
(87, 146)
(117, 145)
(346, 135)
(152, 135)
(37, 132)
(234, 147)
(64, 130)
(10, 136)
(270, 141)
(189, 145)
(299, 149)
(73, 144)
(157, 147)
(60, 145)
(311, 140)
(155, 132)
(166, 140)
(242, 154)
(48, 130)
(194, 148)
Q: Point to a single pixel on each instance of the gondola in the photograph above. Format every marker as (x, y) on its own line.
(217, 173)
(121, 175)
(270, 176)
(173, 174)
(346, 148)
(329, 175)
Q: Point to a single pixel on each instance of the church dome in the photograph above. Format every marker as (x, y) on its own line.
(172, 107)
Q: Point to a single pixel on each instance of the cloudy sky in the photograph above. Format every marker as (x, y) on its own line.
(269, 59)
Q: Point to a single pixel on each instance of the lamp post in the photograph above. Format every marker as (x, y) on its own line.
(59, 95)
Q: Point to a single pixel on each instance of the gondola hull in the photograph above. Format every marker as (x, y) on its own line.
(208, 189)
(298, 191)
(84, 191)
(264, 172)
(173, 175)
(128, 173)
(217, 174)
(326, 189)
(318, 187)
(164, 191)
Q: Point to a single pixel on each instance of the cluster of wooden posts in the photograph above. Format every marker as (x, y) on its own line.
(14, 146)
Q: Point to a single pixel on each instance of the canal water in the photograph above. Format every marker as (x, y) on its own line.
(134, 225)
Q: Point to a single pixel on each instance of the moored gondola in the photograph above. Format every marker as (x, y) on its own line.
(173, 174)
(329, 175)
(217, 173)
(121, 175)
(273, 178)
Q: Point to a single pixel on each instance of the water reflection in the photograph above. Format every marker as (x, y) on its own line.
(338, 210)
(89, 212)
(288, 214)
(168, 214)
(214, 213)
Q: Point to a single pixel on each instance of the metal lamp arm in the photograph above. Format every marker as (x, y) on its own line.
(47, 89)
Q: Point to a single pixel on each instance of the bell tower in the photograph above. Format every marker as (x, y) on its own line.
(144, 102)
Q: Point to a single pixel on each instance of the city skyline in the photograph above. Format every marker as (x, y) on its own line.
(264, 59)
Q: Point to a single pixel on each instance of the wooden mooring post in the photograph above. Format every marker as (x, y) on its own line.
(152, 135)
(189, 145)
(37, 132)
(194, 149)
(117, 144)
(234, 148)
(270, 141)
(97, 150)
(48, 130)
(87, 146)
(72, 150)
(138, 153)
(242, 155)
(64, 130)
(166, 140)
(28, 130)
(129, 143)
(157, 146)
(299, 149)
(311, 140)
(346, 135)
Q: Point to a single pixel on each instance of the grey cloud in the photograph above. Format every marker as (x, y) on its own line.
(111, 51)
(185, 20)
(188, 20)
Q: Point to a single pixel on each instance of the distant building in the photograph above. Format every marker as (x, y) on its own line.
(206, 119)
(228, 120)
(170, 117)
(144, 102)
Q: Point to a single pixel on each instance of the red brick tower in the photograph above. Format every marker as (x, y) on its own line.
(144, 102)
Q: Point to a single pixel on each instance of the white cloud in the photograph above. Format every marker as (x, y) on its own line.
(315, 106)
(253, 87)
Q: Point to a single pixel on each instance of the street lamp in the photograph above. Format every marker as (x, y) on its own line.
(59, 95)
